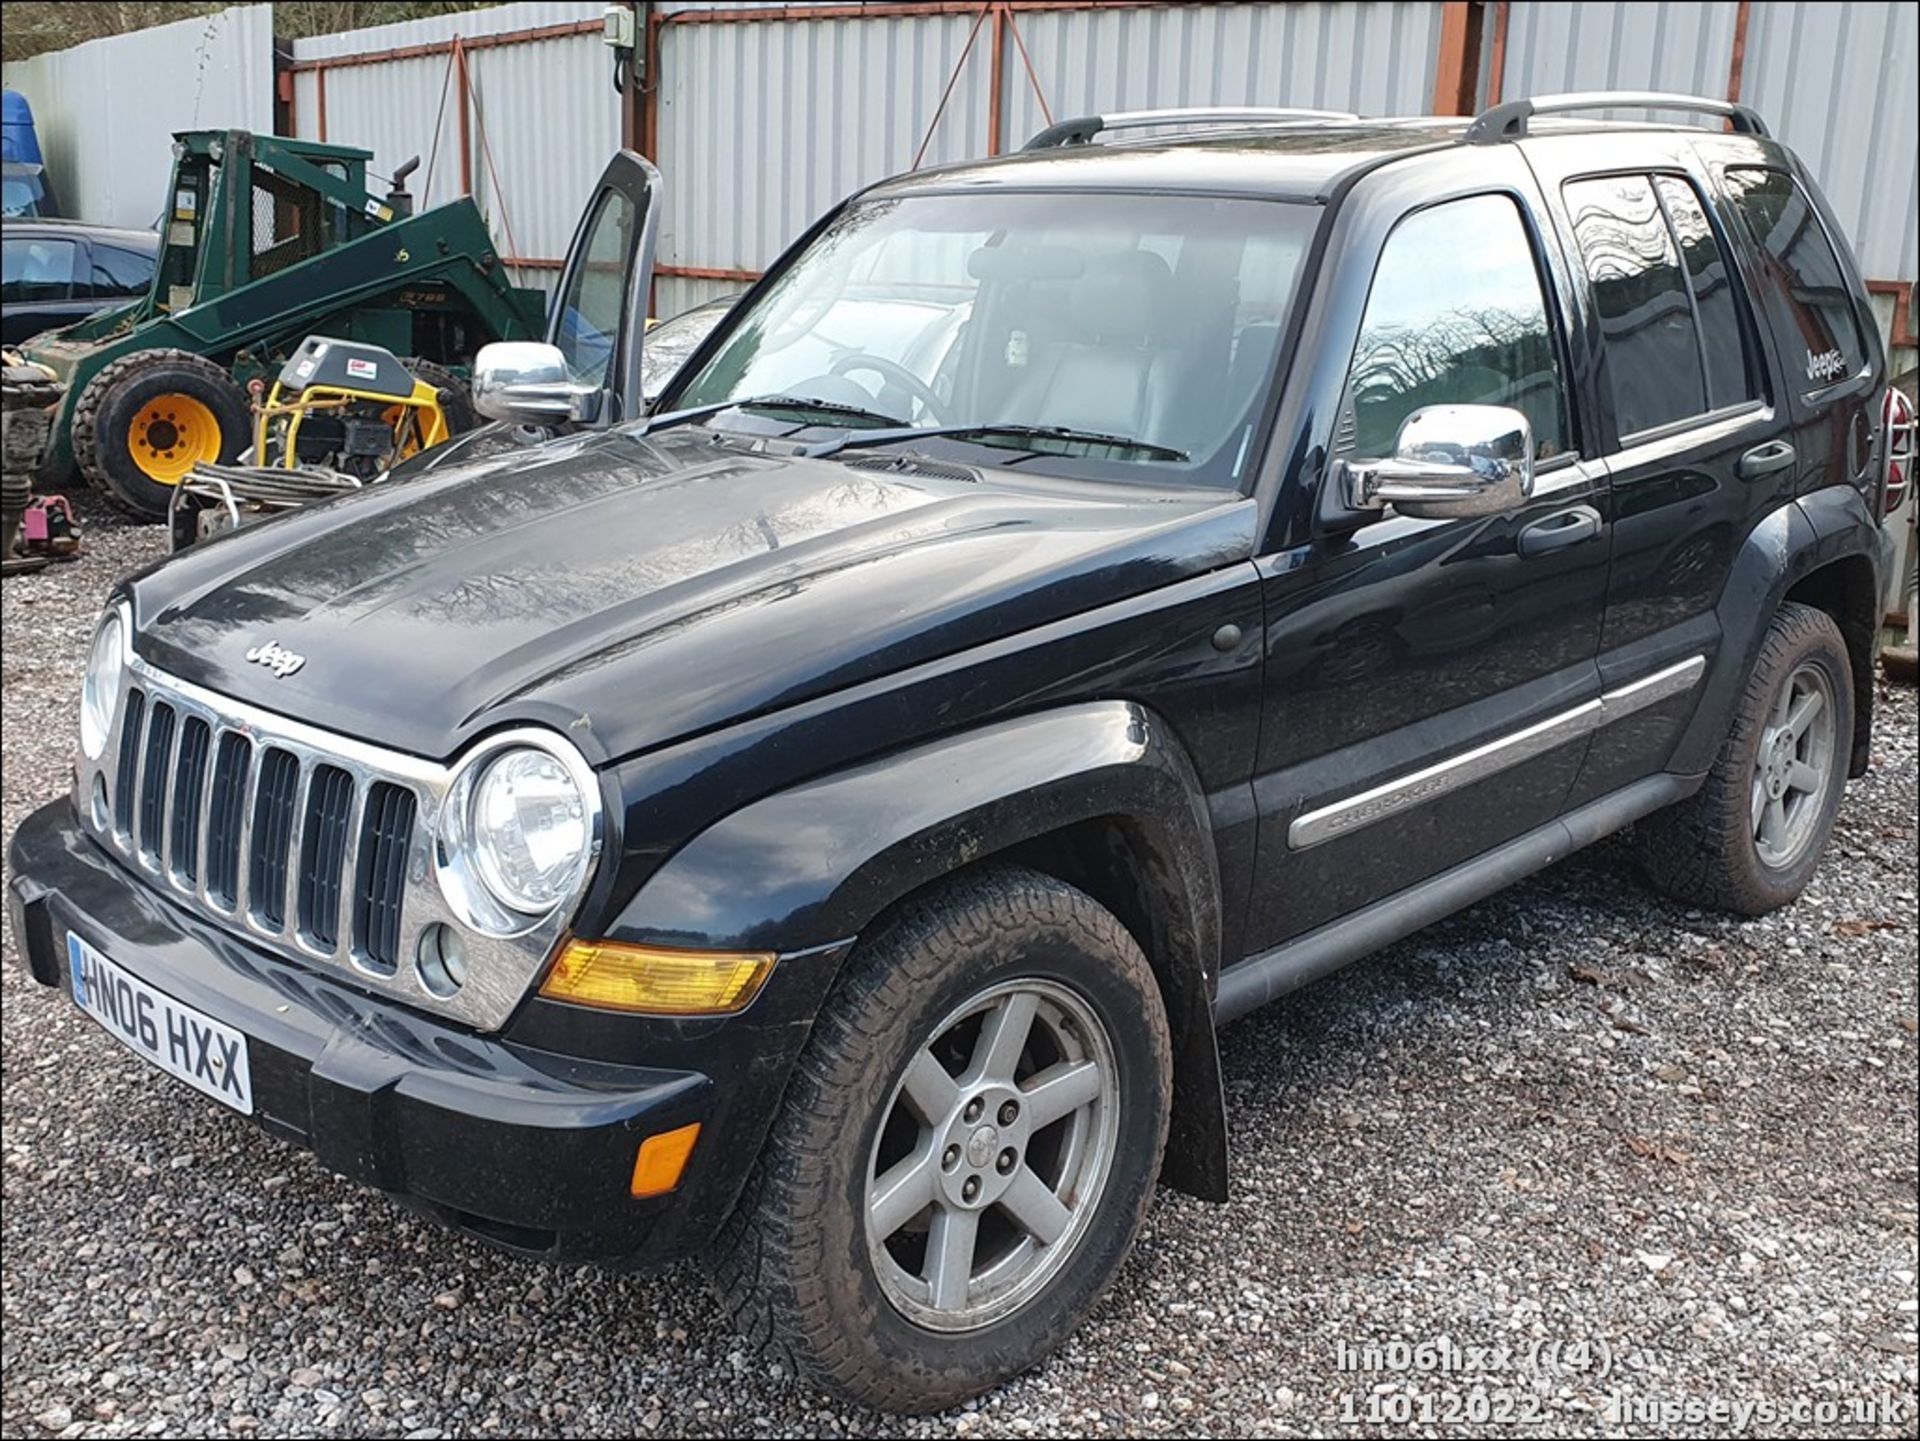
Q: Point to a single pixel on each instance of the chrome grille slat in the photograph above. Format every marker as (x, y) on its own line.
(186, 806)
(319, 877)
(380, 881)
(127, 770)
(150, 785)
(278, 794)
(226, 810)
(345, 941)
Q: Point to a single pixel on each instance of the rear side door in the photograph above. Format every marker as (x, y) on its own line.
(1427, 679)
(599, 311)
(1696, 442)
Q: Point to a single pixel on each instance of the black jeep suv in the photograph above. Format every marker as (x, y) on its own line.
(818, 823)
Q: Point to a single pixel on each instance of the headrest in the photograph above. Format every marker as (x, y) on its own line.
(1123, 297)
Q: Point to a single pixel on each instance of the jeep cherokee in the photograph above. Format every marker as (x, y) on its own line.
(817, 822)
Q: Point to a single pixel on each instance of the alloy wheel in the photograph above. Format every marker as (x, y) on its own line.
(1793, 768)
(992, 1155)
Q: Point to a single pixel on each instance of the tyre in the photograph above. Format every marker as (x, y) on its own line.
(456, 396)
(148, 418)
(1750, 839)
(965, 1152)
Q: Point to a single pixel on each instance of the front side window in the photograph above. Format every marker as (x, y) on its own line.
(1807, 291)
(1150, 319)
(1642, 297)
(1456, 316)
(595, 300)
(38, 268)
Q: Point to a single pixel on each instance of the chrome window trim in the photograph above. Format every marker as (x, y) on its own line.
(501, 969)
(1384, 801)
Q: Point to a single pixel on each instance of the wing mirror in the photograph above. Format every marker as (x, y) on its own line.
(527, 382)
(1450, 461)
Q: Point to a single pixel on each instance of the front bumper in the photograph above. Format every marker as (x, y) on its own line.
(523, 1147)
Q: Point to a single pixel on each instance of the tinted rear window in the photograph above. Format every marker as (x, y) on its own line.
(1807, 294)
(1641, 293)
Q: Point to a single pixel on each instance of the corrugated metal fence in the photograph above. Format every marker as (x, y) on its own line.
(514, 105)
(761, 119)
(106, 111)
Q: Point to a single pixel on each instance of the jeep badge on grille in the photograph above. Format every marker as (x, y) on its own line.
(276, 658)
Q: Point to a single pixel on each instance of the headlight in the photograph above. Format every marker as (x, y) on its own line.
(100, 691)
(516, 837)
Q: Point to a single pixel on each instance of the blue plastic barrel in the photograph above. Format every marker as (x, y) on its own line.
(17, 138)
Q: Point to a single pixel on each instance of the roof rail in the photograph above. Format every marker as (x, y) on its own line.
(1082, 130)
(1508, 121)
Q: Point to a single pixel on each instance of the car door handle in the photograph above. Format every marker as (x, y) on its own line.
(1569, 527)
(1764, 460)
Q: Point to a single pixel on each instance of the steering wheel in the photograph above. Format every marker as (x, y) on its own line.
(899, 375)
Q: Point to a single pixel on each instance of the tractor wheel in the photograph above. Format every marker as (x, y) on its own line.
(456, 396)
(150, 417)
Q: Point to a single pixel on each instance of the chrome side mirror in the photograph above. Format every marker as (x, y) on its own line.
(527, 382)
(1451, 460)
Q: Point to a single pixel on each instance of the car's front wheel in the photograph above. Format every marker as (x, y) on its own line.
(965, 1151)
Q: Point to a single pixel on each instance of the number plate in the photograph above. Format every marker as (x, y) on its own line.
(201, 1051)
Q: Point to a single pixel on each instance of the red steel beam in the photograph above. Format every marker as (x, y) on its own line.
(1902, 293)
(463, 97)
(1452, 74)
(440, 47)
(901, 10)
(1497, 62)
(707, 272)
(996, 76)
(1742, 13)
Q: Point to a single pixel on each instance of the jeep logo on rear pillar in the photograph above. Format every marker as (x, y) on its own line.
(276, 658)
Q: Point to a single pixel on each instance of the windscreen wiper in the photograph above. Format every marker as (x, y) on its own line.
(803, 404)
(1039, 439)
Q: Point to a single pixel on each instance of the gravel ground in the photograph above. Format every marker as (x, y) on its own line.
(1574, 1114)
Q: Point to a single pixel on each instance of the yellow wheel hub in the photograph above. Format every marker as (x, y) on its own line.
(171, 434)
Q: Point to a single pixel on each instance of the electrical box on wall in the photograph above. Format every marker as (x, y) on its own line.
(618, 26)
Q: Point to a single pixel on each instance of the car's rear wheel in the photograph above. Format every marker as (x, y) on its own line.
(1750, 839)
(965, 1152)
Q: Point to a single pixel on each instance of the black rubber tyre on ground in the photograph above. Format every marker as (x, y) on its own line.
(1750, 839)
(992, 1069)
(148, 418)
(456, 396)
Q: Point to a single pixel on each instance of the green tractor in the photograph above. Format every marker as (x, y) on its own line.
(266, 241)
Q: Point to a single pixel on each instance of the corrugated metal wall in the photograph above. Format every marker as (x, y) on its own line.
(543, 118)
(1375, 57)
(106, 111)
(764, 124)
(1839, 84)
(1835, 81)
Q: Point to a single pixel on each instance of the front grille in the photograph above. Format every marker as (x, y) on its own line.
(305, 848)
(303, 842)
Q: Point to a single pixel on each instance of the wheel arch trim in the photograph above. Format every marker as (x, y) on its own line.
(816, 864)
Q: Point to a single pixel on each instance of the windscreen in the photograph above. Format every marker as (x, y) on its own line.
(1153, 318)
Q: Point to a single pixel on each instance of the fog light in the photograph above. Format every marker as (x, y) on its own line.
(441, 959)
(656, 1170)
(655, 980)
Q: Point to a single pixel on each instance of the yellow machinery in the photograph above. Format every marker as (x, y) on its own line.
(339, 415)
